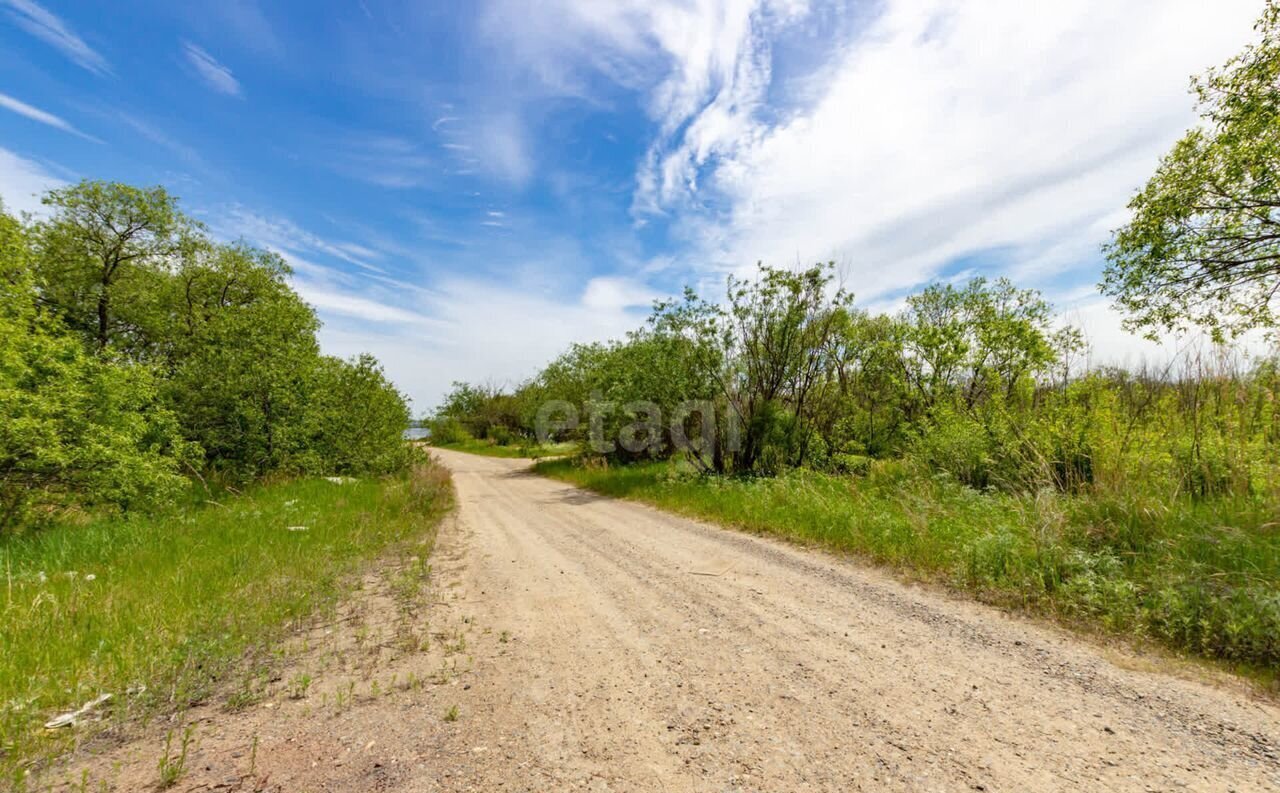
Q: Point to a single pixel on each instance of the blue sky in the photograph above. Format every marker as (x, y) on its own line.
(465, 188)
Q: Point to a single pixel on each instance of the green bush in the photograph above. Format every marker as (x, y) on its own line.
(135, 349)
(446, 430)
(957, 444)
(1235, 624)
(355, 443)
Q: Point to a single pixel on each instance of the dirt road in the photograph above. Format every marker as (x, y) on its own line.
(590, 644)
(656, 653)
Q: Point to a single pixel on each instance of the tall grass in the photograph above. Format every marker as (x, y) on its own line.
(1198, 575)
(154, 609)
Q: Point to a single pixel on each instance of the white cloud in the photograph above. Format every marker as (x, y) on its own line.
(1111, 345)
(215, 75)
(42, 117)
(47, 27)
(158, 136)
(23, 181)
(703, 66)
(281, 233)
(244, 20)
(468, 344)
(617, 293)
(383, 160)
(499, 146)
(949, 129)
(915, 132)
(327, 300)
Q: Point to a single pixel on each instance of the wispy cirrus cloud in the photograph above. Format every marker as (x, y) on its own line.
(47, 27)
(42, 117)
(496, 145)
(923, 133)
(153, 133)
(703, 71)
(284, 234)
(388, 161)
(214, 74)
(328, 299)
(1002, 133)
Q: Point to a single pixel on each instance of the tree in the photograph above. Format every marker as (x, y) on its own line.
(366, 440)
(869, 415)
(766, 352)
(484, 411)
(1203, 247)
(75, 428)
(240, 352)
(973, 343)
(101, 253)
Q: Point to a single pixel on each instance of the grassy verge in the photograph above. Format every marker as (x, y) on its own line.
(1202, 578)
(154, 610)
(491, 449)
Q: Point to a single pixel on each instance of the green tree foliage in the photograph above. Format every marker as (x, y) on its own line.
(74, 426)
(482, 411)
(240, 349)
(973, 382)
(1203, 247)
(972, 343)
(134, 348)
(235, 347)
(628, 391)
(869, 410)
(367, 440)
(103, 256)
(767, 353)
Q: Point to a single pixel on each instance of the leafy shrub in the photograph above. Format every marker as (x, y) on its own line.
(957, 444)
(848, 463)
(1237, 624)
(1097, 585)
(502, 436)
(367, 441)
(445, 430)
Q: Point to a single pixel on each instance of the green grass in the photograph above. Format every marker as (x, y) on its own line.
(1200, 577)
(156, 609)
(491, 449)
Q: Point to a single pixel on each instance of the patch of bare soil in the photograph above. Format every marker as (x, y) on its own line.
(574, 642)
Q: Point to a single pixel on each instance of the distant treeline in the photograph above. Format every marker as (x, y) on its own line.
(136, 351)
(972, 381)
